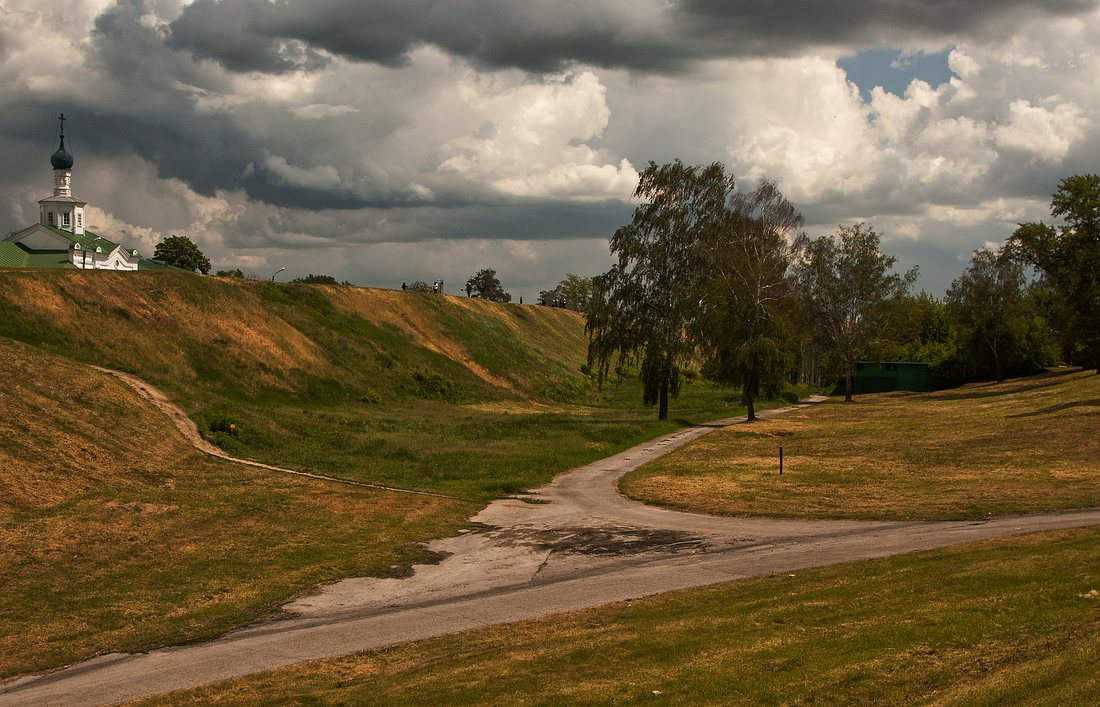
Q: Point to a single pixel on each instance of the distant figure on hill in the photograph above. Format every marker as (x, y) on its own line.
(404, 287)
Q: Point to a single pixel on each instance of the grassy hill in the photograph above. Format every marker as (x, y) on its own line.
(118, 535)
(198, 337)
(375, 385)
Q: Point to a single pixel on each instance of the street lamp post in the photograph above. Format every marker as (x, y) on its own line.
(276, 273)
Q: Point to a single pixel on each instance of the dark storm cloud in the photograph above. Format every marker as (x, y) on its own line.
(157, 120)
(210, 154)
(251, 35)
(516, 221)
(546, 35)
(780, 26)
(229, 33)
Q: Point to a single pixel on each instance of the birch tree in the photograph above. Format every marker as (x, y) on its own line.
(851, 293)
(745, 289)
(647, 305)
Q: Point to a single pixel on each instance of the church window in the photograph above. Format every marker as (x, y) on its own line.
(49, 218)
(78, 218)
(65, 218)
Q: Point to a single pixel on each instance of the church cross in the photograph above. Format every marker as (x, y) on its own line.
(61, 118)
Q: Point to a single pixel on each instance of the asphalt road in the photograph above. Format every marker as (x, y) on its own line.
(573, 544)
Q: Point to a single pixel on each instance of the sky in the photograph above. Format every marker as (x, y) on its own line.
(388, 141)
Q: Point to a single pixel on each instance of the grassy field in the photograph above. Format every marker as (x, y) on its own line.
(118, 536)
(414, 390)
(474, 451)
(1021, 446)
(1013, 621)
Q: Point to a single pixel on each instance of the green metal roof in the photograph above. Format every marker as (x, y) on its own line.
(87, 240)
(14, 255)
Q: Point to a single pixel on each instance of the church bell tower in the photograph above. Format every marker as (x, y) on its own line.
(62, 210)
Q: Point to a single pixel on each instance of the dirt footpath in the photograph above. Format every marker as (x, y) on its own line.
(573, 544)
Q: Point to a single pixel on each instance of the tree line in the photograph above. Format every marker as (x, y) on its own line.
(726, 282)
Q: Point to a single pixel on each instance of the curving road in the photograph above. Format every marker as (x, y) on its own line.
(573, 544)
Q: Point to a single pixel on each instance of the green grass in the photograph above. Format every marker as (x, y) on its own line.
(1022, 446)
(1014, 621)
(420, 391)
(209, 341)
(473, 452)
(118, 535)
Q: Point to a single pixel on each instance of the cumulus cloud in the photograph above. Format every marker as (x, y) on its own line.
(1046, 133)
(334, 133)
(319, 111)
(535, 139)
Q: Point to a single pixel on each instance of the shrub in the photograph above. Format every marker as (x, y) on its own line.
(432, 386)
(223, 424)
(565, 391)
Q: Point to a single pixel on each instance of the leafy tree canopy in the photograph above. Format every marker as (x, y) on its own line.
(647, 306)
(316, 280)
(850, 294)
(1068, 257)
(238, 273)
(745, 292)
(182, 252)
(485, 285)
(574, 292)
(999, 329)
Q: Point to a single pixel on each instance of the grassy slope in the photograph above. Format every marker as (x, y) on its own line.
(117, 535)
(1022, 446)
(252, 341)
(1014, 621)
(407, 389)
(120, 550)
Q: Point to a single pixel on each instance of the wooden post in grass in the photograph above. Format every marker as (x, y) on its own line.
(781, 461)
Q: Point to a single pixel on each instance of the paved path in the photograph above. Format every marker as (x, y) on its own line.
(578, 545)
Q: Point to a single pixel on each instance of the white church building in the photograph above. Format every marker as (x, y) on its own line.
(59, 239)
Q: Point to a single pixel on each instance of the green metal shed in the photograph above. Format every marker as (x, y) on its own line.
(885, 376)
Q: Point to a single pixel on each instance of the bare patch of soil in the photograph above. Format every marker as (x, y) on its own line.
(612, 541)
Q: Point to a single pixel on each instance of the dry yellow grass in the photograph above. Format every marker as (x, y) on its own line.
(87, 306)
(999, 622)
(1025, 445)
(398, 309)
(118, 535)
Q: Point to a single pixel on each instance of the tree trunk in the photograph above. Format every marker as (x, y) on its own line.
(662, 411)
(848, 384)
(751, 409)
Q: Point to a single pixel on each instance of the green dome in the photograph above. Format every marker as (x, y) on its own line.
(61, 159)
